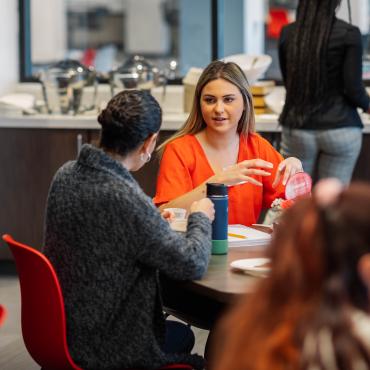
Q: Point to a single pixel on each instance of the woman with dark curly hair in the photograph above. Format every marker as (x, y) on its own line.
(107, 242)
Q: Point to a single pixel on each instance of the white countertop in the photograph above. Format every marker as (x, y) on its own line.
(171, 121)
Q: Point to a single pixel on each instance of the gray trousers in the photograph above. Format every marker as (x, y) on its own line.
(324, 153)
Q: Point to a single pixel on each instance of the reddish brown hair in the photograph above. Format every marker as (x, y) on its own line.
(312, 285)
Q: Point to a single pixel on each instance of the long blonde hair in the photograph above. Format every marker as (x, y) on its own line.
(232, 73)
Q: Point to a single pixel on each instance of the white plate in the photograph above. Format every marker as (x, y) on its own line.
(253, 266)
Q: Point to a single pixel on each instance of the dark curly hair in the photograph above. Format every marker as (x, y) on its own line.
(130, 117)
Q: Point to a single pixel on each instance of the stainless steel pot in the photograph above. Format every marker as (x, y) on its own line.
(136, 73)
(63, 85)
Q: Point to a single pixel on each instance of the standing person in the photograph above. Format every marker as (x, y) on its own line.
(312, 311)
(321, 63)
(218, 144)
(107, 242)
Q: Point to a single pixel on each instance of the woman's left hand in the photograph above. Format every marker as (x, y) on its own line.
(287, 168)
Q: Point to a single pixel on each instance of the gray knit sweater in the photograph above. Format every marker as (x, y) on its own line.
(107, 242)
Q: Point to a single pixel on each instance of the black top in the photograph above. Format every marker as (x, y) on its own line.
(346, 91)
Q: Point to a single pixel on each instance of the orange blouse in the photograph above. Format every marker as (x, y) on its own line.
(184, 166)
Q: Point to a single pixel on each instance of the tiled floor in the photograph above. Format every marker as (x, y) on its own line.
(13, 354)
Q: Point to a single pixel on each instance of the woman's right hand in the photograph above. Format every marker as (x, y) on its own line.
(204, 205)
(242, 172)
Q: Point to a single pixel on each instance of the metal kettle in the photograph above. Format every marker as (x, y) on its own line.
(136, 73)
(63, 85)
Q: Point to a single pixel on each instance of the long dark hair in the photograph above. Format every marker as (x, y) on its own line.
(304, 308)
(307, 77)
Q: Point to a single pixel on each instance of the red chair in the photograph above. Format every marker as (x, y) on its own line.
(2, 314)
(43, 315)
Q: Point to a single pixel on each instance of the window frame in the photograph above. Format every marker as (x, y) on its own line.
(25, 62)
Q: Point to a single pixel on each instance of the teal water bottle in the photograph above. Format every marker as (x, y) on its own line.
(218, 194)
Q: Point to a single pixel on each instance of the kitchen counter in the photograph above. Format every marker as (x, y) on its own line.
(84, 121)
(171, 121)
(172, 105)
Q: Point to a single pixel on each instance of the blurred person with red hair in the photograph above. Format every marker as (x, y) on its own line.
(311, 312)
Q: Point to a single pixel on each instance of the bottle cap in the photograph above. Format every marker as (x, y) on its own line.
(216, 189)
(298, 185)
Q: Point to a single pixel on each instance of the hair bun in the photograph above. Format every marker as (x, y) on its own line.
(102, 118)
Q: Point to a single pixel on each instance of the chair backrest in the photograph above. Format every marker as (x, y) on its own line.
(2, 314)
(43, 315)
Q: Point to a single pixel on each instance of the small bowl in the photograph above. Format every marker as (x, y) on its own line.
(254, 66)
(275, 100)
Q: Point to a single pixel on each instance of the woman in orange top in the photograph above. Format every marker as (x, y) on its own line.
(218, 144)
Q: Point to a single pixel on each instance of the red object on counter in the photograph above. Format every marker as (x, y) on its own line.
(88, 58)
(277, 19)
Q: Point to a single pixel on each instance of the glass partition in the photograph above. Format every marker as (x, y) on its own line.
(174, 35)
(105, 33)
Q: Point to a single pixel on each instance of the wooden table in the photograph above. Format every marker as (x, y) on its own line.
(201, 302)
(222, 283)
